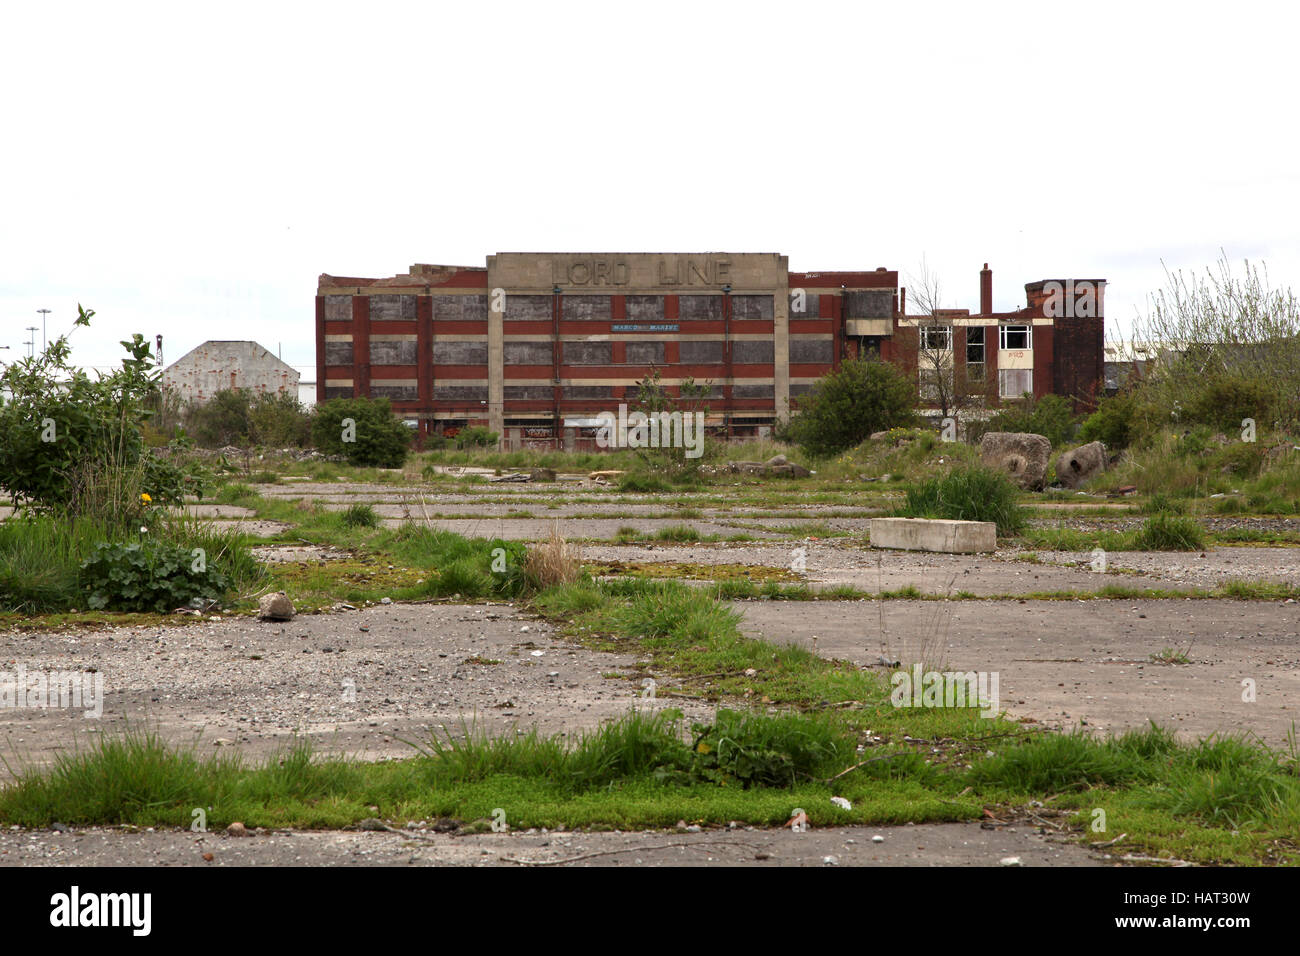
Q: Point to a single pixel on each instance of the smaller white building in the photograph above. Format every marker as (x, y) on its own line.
(216, 365)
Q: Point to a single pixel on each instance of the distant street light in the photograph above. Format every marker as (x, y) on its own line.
(44, 313)
(31, 343)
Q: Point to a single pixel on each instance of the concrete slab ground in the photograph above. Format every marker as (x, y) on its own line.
(1067, 663)
(947, 844)
(242, 682)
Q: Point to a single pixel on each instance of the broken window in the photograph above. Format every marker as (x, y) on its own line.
(975, 353)
(1015, 382)
(1015, 337)
(936, 338)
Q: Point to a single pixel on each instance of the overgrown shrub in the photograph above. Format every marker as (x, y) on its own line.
(1225, 400)
(65, 438)
(845, 407)
(1051, 416)
(967, 494)
(237, 416)
(1115, 423)
(374, 439)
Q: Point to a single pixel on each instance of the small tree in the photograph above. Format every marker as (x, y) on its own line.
(941, 383)
(652, 399)
(845, 407)
(363, 430)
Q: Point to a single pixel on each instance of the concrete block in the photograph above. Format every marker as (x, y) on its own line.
(934, 534)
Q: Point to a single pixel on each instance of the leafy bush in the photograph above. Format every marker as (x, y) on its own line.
(1114, 423)
(237, 416)
(757, 750)
(1051, 416)
(67, 441)
(221, 420)
(378, 439)
(845, 407)
(1224, 401)
(148, 577)
(278, 420)
(967, 494)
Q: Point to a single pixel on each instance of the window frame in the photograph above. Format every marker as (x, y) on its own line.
(982, 362)
(1029, 337)
(924, 333)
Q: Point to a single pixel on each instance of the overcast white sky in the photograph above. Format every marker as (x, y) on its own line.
(191, 170)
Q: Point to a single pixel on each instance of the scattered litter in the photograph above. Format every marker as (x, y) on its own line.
(1010, 861)
(841, 803)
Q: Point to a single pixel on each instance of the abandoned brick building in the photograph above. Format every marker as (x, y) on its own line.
(535, 344)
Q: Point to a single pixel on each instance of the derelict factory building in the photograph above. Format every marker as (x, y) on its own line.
(535, 340)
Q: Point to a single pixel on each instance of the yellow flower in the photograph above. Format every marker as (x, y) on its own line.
(145, 498)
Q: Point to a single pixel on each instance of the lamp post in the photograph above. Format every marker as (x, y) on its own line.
(44, 313)
(31, 343)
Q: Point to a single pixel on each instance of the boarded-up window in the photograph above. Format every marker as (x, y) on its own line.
(869, 304)
(397, 393)
(338, 391)
(697, 308)
(338, 308)
(392, 353)
(1014, 382)
(746, 352)
(528, 393)
(528, 308)
(338, 353)
(460, 353)
(588, 307)
(811, 351)
(751, 307)
(529, 353)
(645, 308)
(392, 307)
(459, 308)
(753, 391)
(587, 391)
(699, 353)
(644, 353)
(460, 393)
(588, 353)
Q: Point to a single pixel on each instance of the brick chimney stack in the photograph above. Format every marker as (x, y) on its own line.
(986, 290)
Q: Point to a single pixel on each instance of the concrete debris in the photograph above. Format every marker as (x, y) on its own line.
(1021, 456)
